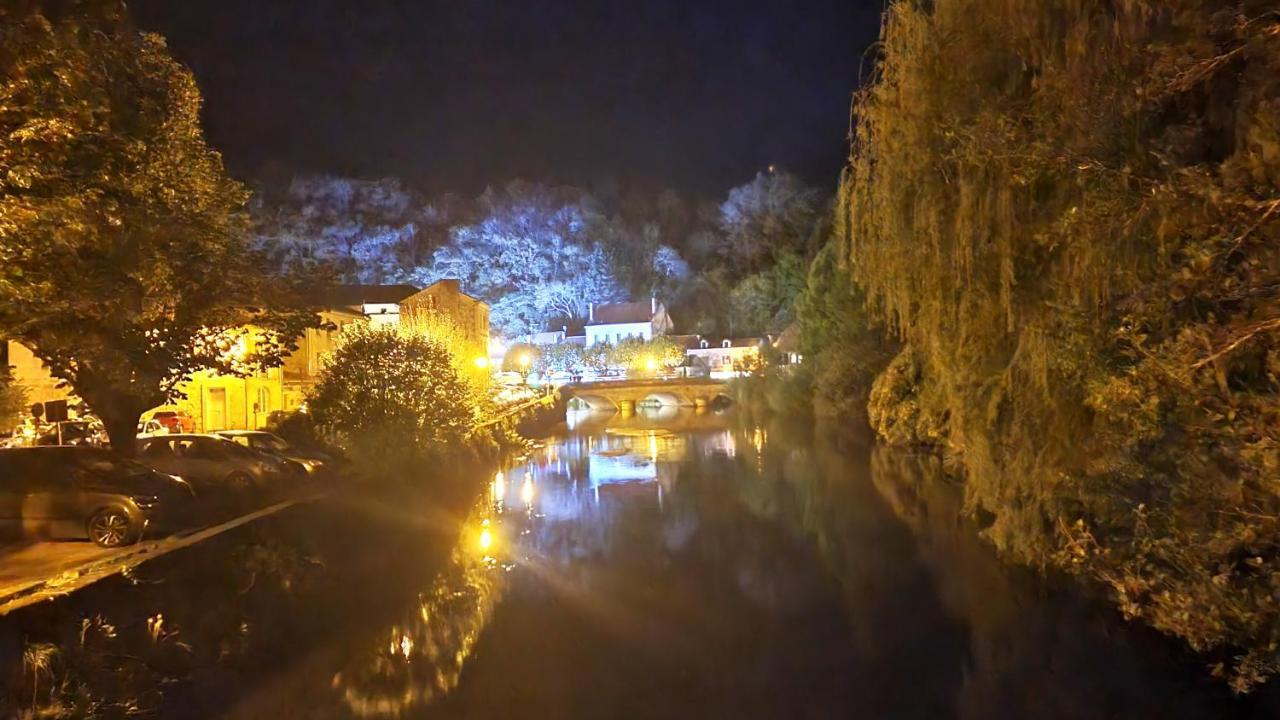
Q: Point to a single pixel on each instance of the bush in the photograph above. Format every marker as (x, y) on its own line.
(389, 398)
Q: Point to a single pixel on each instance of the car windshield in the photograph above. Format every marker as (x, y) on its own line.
(237, 449)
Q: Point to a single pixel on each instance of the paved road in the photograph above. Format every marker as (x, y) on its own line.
(21, 565)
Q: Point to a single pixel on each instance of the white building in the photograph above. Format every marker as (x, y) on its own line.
(379, 303)
(728, 357)
(615, 322)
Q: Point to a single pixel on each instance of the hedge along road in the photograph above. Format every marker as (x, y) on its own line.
(47, 570)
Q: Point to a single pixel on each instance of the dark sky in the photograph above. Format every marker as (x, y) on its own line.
(457, 94)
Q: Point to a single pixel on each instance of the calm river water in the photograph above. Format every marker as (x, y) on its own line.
(663, 565)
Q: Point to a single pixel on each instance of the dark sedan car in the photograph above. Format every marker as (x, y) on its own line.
(211, 463)
(308, 462)
(78, 492)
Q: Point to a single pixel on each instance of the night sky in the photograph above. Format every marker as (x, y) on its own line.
(454, 95)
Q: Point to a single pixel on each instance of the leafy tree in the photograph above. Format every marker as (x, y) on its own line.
(645, 356)
(382, 390)
(367, 231)
(1080, 242)
(530, 256)
(122, 241)
(13, 401)
(773, 213)
(561, 358)
(521, 358)
(843, 348)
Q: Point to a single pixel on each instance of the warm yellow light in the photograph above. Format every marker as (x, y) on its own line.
(499, 486)
(482, 362)
(486, 539)
(526, 492)
(651, 364)
(525, 359)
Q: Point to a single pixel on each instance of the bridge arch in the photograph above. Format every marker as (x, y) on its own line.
(665, 399)
(591, 402)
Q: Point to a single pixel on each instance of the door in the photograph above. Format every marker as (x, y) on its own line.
(50, 499)
(201, 459)
(215, 410)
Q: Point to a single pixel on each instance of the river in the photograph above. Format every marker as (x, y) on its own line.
(661, 565)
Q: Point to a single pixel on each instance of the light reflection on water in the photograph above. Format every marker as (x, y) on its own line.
(783, 575)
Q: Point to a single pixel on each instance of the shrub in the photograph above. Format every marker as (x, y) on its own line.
(385, 395)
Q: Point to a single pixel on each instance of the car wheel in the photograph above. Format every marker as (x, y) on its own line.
(112, 527)
(239, 482)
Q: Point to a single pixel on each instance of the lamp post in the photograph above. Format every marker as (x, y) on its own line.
(525, 361)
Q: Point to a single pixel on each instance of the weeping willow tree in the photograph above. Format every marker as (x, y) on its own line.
(1070, 213)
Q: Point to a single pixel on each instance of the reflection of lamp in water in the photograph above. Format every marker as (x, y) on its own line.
(526, 492)
(486, 538)
(499, 487)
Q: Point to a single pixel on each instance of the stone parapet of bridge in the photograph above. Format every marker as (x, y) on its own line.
(627, 394)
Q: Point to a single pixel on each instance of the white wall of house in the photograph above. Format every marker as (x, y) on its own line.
(615, 332)
(382, 313)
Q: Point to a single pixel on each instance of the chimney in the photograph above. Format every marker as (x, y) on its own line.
(591, 312)
(653, 304)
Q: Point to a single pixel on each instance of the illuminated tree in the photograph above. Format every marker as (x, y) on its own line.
(122, 240)
(13, 400)
(773, 213)
(1071, 213)
(382, 390)
(521, 358)
(530, 256)
(367, 231)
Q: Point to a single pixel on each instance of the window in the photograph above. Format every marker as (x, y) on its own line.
(704, 344)
(726, 344)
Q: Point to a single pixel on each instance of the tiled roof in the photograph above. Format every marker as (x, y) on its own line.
(347, 295)
(632, 312)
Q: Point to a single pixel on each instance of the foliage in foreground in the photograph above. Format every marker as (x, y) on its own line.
(1080, 242)
(843, 348)
(123, 251)
(389, 397)
(13, 401)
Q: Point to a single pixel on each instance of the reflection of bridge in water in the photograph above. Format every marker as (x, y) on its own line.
(626, 395)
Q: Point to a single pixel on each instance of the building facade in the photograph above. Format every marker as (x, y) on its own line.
(612, 323)
(444, 301)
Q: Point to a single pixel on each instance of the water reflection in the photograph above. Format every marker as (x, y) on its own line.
(422, 656)
(671, 566)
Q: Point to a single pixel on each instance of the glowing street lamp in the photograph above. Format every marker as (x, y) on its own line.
(525, 360)
(482, 362)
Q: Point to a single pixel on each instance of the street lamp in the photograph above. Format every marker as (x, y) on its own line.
(482, 362)
(525, 360)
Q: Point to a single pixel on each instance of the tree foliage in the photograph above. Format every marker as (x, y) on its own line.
(1072, 215)
(539, 253)
(123, 253)
(383, 390)
(843, 348)
(13, 401)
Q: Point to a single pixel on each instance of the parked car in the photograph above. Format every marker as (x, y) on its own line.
(175, 421)
(310, 463)
(151, 427)
(210, 463)
(78, 492)
(73, 432)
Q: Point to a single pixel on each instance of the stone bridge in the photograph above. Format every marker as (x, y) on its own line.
(627, 394)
